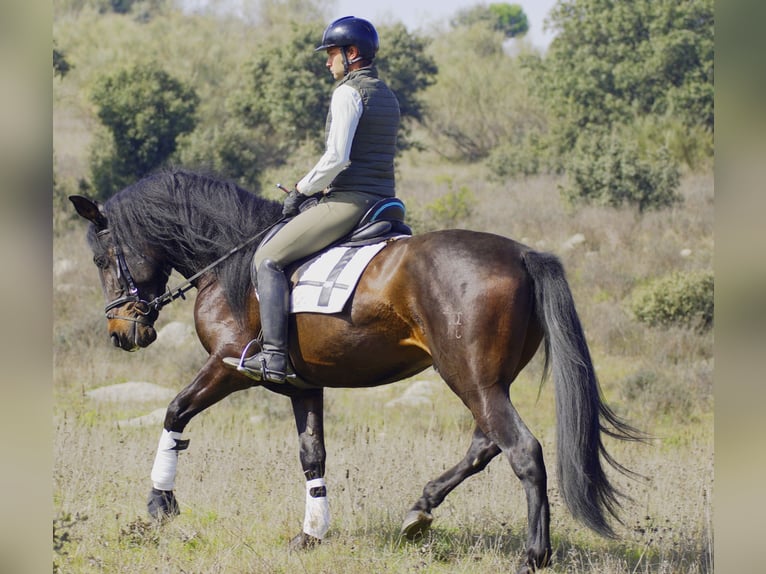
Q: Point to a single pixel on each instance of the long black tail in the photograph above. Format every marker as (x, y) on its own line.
(580, 411)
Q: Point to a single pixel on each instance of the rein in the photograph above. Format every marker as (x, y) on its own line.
(129, 286)
(180, 291)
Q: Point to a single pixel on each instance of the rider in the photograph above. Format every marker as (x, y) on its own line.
(356, 170)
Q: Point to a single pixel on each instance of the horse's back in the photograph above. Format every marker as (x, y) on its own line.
(433, 298)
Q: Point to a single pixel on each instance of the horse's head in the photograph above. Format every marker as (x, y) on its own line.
(131, 281)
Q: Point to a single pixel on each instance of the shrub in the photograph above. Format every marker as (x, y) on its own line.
(451, 209)
(682, 299)
(512, 160)
(145, 109)
(510, 19)
(610, 168)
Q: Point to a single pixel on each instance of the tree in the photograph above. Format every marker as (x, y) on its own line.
(643, 70)
(480, 100)
(510, 19)
(285, 89)
(111, 6)
(145, 109)
(612, 62)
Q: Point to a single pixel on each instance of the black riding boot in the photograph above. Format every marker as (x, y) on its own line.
(273, 293)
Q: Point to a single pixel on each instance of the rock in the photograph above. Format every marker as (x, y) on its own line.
(62, 266)
(153, 419)
(573, 242)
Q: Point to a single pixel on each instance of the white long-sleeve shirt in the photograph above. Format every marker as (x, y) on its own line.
(346, 109)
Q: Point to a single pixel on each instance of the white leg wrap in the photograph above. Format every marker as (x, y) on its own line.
(164, 469)
(317, 520)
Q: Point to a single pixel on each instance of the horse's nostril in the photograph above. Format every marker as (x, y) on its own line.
(115, 340)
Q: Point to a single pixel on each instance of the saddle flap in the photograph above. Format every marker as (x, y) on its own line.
(370, 230)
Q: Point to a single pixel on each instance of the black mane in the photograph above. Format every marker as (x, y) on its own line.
(193, 219)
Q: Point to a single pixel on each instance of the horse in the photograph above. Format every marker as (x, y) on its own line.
(508, 299)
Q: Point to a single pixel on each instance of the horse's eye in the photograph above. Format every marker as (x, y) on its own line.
(101, 261)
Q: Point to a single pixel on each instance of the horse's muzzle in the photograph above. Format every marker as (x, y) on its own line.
(134, 338)
(130, 331)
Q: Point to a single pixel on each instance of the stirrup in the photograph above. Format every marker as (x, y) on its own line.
(244, 356)
(260, 367)
(260, 375)
(239, 364)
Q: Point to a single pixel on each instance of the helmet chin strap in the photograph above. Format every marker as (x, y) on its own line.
(346, 61)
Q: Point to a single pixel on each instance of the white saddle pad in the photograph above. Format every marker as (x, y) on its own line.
(325, 284)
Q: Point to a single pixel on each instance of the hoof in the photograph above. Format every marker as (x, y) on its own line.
(531, 567)
(162, 504)
(304, 542)
(416, 524)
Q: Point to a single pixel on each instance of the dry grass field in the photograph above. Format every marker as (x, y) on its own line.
(240, 485)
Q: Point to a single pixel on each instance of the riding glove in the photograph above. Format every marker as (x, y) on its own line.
(293, 201)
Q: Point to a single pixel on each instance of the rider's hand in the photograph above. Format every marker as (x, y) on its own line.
(293, 201)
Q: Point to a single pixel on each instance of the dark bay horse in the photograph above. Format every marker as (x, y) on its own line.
(506, 298)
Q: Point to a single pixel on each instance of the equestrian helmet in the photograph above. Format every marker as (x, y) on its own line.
(351, 31)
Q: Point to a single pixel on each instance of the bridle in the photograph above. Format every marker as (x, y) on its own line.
(129, 292)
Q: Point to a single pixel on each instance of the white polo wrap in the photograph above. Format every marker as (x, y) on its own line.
(166, 461)
(317, 518)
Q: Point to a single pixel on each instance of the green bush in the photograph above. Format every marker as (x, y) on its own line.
(511, 160)
(231, 149)
(145, 109)
(451, 209)
(680, 299)
(610, 168)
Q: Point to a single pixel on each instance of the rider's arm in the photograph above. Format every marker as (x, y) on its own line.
(346, 109)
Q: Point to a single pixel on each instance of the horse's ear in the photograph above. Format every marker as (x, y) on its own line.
(89, 209)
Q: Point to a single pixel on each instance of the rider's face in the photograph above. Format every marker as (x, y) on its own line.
(335, 63)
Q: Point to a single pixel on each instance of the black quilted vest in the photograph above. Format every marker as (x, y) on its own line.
(374, 145)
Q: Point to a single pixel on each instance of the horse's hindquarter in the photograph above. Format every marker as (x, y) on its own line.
(475, 300)
(443, 298)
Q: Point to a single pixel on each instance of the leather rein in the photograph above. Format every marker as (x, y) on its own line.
(145, 308)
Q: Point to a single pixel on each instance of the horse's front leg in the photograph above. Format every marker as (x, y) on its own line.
(212, 383)
(309, 418)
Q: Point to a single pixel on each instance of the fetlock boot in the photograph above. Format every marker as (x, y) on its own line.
(273, 295)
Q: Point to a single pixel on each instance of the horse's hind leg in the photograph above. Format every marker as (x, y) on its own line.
(495, 414)
(480, 453)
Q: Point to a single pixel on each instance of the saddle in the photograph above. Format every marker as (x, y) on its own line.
(385, 219)
(337, 267)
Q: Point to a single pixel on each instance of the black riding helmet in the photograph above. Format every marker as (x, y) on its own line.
(351, 31)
